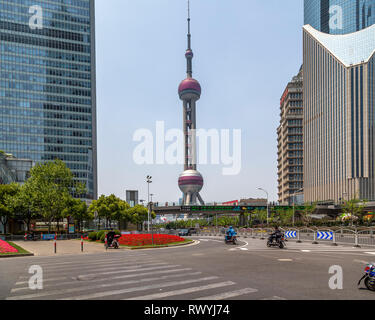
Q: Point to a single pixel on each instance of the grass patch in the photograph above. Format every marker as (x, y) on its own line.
(20, 250)
(158, 245)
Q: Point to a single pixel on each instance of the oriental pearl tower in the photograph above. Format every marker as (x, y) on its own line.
(190, 181)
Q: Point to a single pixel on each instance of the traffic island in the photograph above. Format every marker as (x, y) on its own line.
(176, 244)
(9, 249)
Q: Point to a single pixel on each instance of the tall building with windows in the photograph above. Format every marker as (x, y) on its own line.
(47, 84)
(290, 142)
(339, 109)
(353, 15)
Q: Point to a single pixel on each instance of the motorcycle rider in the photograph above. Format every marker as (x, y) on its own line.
(276, 234)
(110, 236)
(231, 233)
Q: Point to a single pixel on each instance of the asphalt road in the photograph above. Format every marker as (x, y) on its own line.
(209, 270)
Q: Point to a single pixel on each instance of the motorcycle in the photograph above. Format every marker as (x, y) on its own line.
(230, 239)
(369, 277)
(114, 243)
(279, 241)
(30, 237)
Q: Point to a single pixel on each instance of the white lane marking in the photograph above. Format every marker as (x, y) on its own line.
(89, 264)
(95, 287)
(182, 291)
(285, 260)
(114, 258)
(246, 244)
(134, 289)
(306, 250)
(274, 298)
(121, 270)
(107, 279)
(244, 249)
(361, 261)
(106, 266)
(227, 295)
(370, 253)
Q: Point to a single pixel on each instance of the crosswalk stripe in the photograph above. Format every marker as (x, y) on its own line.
(182, 291)
(87, 263)
(117, 257)
(128, 265)
(87, 268)
(227, 295)
(121, 270)
(107, 279)
(95, 287)
(128, 290)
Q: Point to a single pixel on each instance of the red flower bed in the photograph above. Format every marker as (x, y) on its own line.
(5, 247)
(136, 240)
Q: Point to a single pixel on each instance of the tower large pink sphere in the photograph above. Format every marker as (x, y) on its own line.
(190, 181)
(189, 89)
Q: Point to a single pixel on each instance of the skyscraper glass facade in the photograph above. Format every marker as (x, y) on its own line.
(339, 122)
(353, 15)
(47, 84)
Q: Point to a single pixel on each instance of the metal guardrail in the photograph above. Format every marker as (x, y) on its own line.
(38, 237)
(364, 236)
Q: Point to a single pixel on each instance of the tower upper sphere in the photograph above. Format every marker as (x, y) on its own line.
(189, 89)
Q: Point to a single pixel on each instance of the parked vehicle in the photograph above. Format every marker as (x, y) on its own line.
(183, 232)
(276, 241)
(31, 237)
(192, 231)
(369, 277)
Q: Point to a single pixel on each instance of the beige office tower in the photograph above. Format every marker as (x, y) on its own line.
(290, 143)
(339, 110)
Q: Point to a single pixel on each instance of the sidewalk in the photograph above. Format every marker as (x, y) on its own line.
(63, 247)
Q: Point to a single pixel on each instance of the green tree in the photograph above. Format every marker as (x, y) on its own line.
(51, 185)
(77, 209)
(6, 192)
(306, 213)
(354, 207)
(139, 214)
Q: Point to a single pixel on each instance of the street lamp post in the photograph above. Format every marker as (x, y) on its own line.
(148, 200)
(267, 203)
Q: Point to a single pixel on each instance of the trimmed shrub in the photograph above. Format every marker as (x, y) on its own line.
(92, 236)
(102, 238)
(100, 234)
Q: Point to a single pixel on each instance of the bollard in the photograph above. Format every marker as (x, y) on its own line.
(81, 243)
(41, 236)
(54, 242)
(106, 243)
(25, 236)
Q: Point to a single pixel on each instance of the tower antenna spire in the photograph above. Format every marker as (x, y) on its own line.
(189, 52)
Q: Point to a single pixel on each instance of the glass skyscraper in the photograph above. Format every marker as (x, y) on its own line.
(355, 15)
(47, 84)
(339, 109)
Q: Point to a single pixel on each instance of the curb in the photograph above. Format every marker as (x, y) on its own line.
(17, 255)
(166, 246)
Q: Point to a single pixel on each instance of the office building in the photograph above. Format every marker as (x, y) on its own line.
(290, 142)
(339, 16)
(47, 84)
(339, 109)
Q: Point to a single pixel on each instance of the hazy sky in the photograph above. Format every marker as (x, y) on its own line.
(246, 51)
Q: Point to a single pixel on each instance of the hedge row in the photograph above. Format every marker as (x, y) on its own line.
(100, 235)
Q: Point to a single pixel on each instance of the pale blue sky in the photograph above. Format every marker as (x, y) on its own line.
(246, 51)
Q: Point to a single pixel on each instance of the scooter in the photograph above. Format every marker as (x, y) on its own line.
(114, 243)
(279, 241)
(230, 239)
(369, 277)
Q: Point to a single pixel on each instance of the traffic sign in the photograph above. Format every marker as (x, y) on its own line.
(325, 235)
(291, 234)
